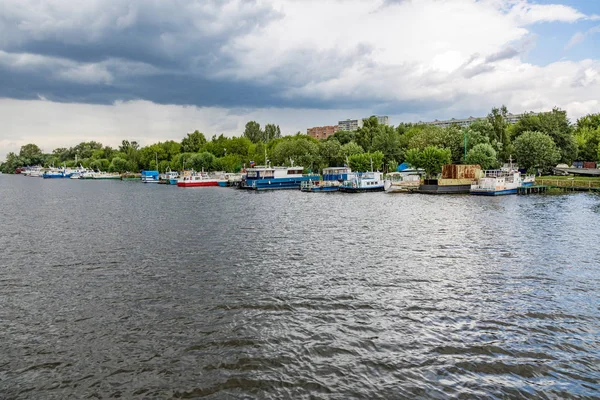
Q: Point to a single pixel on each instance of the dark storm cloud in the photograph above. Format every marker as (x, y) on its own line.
(164, 52)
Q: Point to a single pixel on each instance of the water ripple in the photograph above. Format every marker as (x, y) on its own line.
(127, 290)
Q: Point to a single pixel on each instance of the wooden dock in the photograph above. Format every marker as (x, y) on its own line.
(571, 185)
(532, 189)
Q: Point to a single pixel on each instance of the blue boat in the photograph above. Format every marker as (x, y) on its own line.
(269, 178)
(331, 182)
(150, 176)
(53, 174)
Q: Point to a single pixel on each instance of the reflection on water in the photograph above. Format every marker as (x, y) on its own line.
(114, 289)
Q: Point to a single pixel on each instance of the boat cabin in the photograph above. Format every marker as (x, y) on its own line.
(336, 173)
(273, 172)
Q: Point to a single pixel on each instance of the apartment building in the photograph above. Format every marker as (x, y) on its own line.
(322, 132)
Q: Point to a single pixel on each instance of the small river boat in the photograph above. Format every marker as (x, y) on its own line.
(455, 179)
(197, 179)
(168, 176)
(497, 183)
(269, 178)
(54, 173)
(150, 176)
(363, 182)
(331, 182)
(106, 176)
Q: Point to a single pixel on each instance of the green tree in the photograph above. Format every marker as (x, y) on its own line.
(587, 140)
(201, 161)
(253, 132)
(587, 136)
(350, 149)
(271, 132)
(498, 120)
(554, 124)
(413, 158)
(387, 141)
(31, 154)
(118, 165)
(101, 164)
(366, 133)
(299, 151)
(421, 137)
(13, 161)
(434, 158)
(229, 163)
(536, 150)
(85, 149)
(344, 137)
(366, 161)
(193, 142)
(329, 152)
(484, 155)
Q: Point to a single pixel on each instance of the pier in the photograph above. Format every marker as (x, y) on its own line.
(532, 189)
(571, 185)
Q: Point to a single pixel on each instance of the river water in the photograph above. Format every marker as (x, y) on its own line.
(121, 289)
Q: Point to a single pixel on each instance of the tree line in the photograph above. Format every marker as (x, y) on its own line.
(535, 142)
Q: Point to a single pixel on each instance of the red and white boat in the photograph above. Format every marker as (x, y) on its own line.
(196, 180)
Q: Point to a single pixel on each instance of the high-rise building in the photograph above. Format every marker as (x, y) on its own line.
(383, 119)
(322, 132)
(350, 124)
(510, 118)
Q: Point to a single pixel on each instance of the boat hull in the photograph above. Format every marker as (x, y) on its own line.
(502, 192)
(173, 181)
(321, 189)
(222, 183)
(197, 184)
(444, 189)
(276, 183)
(347, 189)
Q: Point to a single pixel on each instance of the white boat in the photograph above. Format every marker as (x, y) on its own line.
(497, 183)
(196, 179)
(106, 175)
(363, 182)
(169, 177)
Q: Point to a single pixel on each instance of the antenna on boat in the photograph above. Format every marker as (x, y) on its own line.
(371, 164)
(156, 153)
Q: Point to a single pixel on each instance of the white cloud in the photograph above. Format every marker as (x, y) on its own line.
(452, 58)
(579, 37)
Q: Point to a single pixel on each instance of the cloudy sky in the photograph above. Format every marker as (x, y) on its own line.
(153, 70)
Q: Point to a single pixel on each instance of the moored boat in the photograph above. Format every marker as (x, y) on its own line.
(497, 183)
(455, 179)
(106, 175)
(269, 178)
(320, 186)
(168, 177)
(53, 173)
(196, 179)
(363, 182)
(150, 176)
(331, 182)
